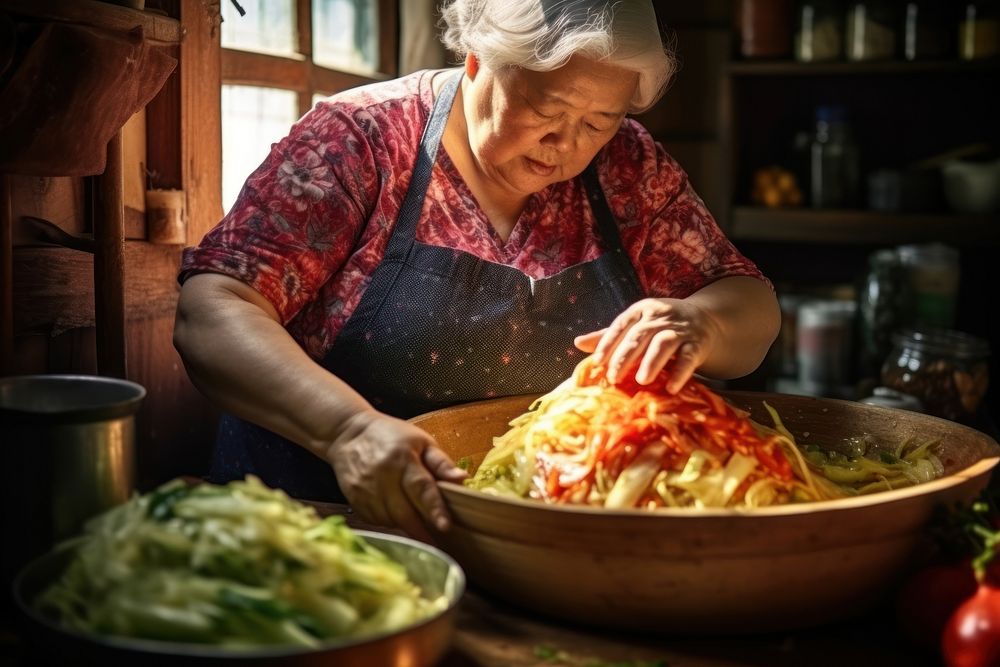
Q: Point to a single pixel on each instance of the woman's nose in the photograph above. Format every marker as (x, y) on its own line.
(560, 138)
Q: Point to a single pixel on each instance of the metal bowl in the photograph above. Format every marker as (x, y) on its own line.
(419, 645)
(705, 571)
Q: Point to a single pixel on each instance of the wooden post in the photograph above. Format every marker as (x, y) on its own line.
(6, 279)
(109, 265)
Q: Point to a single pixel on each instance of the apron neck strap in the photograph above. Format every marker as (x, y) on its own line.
(606, 226)
(409, 213)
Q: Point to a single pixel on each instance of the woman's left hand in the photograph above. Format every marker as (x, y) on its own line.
(649, 335)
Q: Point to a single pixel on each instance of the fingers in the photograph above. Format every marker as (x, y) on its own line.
(403, 514)
(661, 347)
(588, 342)
(421, 492)
(612, 336)
(442, 467)
(685, 364)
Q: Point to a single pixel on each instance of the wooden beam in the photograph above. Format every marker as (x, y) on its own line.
(304, 23)
(109, 265)
(155, 27)
(6, 279)
(55, 286)
(200, 113)
(163, 127)
(328, 81)
(259, 69)
(388, 37)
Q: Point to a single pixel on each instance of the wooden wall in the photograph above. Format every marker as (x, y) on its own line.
(177, 138)
(687, 120)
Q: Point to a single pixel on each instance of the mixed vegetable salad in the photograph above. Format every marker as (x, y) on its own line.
(627, 445)
(239, 566)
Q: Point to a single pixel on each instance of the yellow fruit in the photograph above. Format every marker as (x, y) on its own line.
(786, 181)
(772, 197)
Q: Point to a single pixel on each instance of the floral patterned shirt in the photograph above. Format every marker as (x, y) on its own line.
(312, 222)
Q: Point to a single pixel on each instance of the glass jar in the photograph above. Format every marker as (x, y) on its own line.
(785, 360)
(871, 33)
(824, 345)
(882, 303)
(947, 370)
(833, 161)
(819, 31)
(933, 275)
(927, 29)
(765, 28)
(979, 30)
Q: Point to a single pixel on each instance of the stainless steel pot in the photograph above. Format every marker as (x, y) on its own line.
(68, 453)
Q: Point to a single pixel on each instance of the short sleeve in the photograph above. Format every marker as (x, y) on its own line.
(300, 213)
(673, 240)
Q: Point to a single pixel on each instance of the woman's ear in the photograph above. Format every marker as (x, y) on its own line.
(471, 65)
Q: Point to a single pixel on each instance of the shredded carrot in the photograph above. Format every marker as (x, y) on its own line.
(629, 445)
(588, 427)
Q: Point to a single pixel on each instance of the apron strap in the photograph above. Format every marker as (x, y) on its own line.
(409, 214)
(606, 226)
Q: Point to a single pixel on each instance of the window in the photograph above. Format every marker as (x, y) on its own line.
(283, 55)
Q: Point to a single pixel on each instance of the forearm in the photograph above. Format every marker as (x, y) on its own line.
(239, 355)
(747, 318)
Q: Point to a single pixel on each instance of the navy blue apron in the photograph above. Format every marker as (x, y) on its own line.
(437, 327)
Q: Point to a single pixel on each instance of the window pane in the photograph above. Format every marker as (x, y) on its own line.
(268, 27)
(345, 35)
(252, 119)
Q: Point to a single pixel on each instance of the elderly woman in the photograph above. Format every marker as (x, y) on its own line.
(458, 235)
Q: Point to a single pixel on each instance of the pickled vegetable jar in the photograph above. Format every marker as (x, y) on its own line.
(947, 370)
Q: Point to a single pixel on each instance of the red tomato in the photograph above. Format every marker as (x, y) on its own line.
(972, 636)
(929, 598)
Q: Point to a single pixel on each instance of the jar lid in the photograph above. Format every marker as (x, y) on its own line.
(919, 253)
(826, 312)
(943, 341)
(890, 398)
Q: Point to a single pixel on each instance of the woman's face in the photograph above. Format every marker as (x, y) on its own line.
(530, 129)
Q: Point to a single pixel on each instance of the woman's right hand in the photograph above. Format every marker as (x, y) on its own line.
(387, 469)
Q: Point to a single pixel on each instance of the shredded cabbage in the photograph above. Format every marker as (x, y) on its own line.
(239, 566)
(629, 445)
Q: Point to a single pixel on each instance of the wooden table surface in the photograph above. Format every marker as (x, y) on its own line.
(491, 633)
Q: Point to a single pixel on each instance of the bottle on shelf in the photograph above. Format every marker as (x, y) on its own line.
(819, 31)
(833, 161)
(927, 30)
(979, 30)
(933, 274)
(871, 30)
(765, 28)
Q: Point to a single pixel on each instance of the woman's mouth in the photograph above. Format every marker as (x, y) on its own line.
(540, 168)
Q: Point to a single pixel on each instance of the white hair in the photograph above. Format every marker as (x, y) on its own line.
(542, 35)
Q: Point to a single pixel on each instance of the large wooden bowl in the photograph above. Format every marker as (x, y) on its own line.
(705, 571)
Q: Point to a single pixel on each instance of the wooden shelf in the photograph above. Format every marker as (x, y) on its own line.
(794, 68)
(156, 27)
(860, 227)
